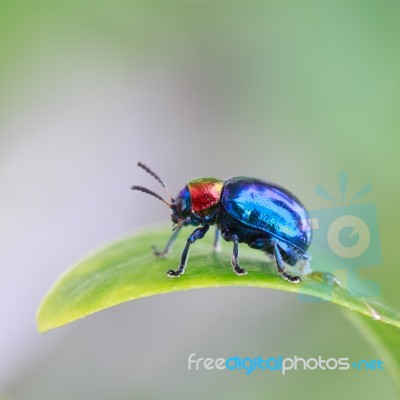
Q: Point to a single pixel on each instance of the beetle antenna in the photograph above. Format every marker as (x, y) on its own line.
(156, 177)
(150, 192)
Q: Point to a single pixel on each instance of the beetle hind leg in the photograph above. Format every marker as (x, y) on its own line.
(281, 266)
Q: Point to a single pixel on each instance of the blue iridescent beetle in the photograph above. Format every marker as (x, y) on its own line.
(263, 215)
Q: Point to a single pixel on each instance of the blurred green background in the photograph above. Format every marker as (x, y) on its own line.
(290, 91)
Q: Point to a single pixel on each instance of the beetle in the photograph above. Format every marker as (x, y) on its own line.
(261, 214)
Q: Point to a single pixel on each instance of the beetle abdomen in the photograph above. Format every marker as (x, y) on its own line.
(269, 208)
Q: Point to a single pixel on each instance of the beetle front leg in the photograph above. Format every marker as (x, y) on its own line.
(171, 240)
(196, 234)
(281, 266)
(168, 246)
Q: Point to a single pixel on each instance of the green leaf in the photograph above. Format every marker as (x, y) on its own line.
(127, 269)
(385, 339)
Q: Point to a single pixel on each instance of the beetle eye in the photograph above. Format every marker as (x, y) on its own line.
(179, 205)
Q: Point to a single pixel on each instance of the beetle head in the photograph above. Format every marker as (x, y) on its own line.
(197, 200)
(181, 207)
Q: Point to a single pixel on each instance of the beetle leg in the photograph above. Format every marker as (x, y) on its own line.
(217, 240)
(281, 266)
(171, 240)
(168, 246)
(196, 234)
(235, 262)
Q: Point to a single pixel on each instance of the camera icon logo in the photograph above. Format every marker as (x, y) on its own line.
(346, 235)
(350, 227)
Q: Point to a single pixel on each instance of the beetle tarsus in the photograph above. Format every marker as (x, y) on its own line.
(281, 267)
(160, 253)
(290, 278)
(174, 274)
(239, 270)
